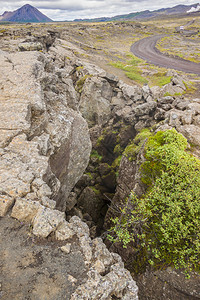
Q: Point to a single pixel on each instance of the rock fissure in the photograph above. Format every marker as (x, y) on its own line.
(41, 164)
(51, 179)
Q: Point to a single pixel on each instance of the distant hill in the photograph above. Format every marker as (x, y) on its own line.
(147, 14)
(26, 13)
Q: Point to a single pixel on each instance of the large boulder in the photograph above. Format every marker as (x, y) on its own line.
(95, 101)
(30, 46)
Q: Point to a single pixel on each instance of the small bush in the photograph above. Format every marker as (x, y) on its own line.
(164, 225)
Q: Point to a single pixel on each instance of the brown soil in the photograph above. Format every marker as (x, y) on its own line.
(36, 269)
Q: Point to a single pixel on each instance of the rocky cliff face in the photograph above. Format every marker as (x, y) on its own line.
(42, 135)
(45, 148)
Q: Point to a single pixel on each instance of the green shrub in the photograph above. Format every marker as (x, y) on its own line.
(133, 148)
(164, 225)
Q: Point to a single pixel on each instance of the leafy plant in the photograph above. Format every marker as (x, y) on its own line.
(163, 226)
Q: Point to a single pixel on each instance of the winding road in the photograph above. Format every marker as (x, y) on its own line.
(146, 50)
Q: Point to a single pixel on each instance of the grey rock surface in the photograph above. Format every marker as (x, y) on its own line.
(30, 46)
(36, 268)
(44, 142)
(45, 148)
(169, 284)
(95, 101)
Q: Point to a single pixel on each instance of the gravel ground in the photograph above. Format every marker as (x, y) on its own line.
(145, 49)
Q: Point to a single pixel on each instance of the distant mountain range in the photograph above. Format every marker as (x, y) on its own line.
(24, 14)
(28, 13)
(147, 14)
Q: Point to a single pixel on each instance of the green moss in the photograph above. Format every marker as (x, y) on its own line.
(102, 137)
(167, 94)
(80, 83)
(135, 61)
(114, 132)
(136, 76)
(133, 149)
(131, 69)
(95, 154)
(152, 167)
(190, 88)
(118, 149)
(79, 68)
(97, 192)
(116, 162)
(89, 174)
(161, 79)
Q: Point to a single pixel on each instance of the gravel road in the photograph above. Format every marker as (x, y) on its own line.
(146, 50)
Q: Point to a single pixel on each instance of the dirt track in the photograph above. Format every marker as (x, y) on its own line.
(146, 50)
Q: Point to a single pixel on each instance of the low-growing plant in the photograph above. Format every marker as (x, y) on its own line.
(161, 79)
(163, 226)
(131, 69)
(134, 147)
(95, 154)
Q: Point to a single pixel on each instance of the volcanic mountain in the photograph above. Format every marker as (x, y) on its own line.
(26, 13)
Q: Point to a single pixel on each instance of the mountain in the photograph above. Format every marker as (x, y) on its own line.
(147, 14)
(24, 14)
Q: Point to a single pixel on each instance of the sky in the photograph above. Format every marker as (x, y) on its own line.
(60, 10)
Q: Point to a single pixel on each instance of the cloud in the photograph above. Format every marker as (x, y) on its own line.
(194, 9)
(68, 10)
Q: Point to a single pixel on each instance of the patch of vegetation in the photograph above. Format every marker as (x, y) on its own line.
(89, 174)
(133, 149)
(79, 68)
(163, 226)
(190, 88)
(116, 162)
(178, 46)
(131, 69)
(97, 192)
(118, 149)
(95, 154)
(160, 79)
(80, 83)
(102, 137)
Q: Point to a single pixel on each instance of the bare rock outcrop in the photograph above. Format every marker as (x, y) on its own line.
(45, 148)
(45, 144)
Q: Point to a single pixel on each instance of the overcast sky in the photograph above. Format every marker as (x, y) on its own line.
(60, 10)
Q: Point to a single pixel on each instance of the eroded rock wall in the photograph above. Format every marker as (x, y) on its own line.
(45, 148)
(45, 144)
